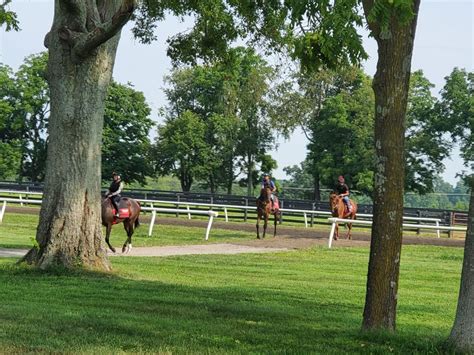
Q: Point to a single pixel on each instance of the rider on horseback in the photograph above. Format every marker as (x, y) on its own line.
(343, 191)
(267, 182)
(114, 191)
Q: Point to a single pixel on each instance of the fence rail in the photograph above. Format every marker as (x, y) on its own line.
(211, 213)
(335, 221)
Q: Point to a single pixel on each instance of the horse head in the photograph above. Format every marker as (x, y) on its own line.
(334, 201)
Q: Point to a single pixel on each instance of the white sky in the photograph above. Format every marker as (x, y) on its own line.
(444, 40)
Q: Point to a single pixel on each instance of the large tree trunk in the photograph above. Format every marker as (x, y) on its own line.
(391, 83)
(462, 334)
(82, 46)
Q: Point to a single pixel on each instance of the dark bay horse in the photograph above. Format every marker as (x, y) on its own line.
(264, 210)
(129, 223)
(339, 210)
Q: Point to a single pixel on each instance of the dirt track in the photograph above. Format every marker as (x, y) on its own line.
(287, 237)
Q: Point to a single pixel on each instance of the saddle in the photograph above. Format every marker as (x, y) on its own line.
(124, 209)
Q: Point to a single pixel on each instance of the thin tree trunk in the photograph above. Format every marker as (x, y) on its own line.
(316, 187)
(250, 176)
(462, 334)
(390, 84)
(230, 176)
(80, 64)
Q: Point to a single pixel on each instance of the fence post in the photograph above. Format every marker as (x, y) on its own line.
(152, 223)
(209, 225)
(245, 213)
(418, 213)
(2, 211)
(177, 206)
(451, 223)
(312, 215)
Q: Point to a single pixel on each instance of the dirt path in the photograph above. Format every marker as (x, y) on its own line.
(222, 248)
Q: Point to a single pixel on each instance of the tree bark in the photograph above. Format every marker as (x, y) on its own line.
(390, 84)
(462, 334)
(82, 45)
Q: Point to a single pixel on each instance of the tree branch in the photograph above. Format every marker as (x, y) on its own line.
(84, 43)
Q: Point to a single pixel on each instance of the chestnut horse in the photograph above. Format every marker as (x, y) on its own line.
(129, 223)
(339, 210)
(264, 210)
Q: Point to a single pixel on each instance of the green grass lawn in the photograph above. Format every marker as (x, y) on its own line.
(292, 302)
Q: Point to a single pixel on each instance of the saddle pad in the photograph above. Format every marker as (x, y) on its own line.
(276, 204)
(123, 213)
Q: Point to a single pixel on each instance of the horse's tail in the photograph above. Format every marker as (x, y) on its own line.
(137, 222)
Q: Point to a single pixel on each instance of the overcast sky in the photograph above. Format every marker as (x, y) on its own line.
(444, 40)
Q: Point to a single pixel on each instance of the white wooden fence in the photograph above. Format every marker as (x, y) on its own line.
(335, 221)
(211, 214)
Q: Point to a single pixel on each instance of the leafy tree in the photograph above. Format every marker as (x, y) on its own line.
(335, 112)
(458, 112)
(255, 131)
(10, 127)
(425, 143)
(33, 106)
(181, 149)
(229, 95)
(125, 138)
(7, 17)
(203, 91)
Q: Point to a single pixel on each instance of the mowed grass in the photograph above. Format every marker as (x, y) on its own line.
(292, 302)
(19, 230)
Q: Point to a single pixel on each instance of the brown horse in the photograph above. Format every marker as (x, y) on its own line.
(129, 223)
(264, 210)
(339, 210)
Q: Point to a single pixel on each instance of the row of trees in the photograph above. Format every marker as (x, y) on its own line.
(24, 117)
(336, 112)
(221, 121)
(82, 45)
(216, 123)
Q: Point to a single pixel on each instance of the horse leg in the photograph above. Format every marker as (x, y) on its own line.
(349, 231)
(265, 224)
(275, 228)
(108, 229)
(127, 246)
(336, 235)
(258, 227)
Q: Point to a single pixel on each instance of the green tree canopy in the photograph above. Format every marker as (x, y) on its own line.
(181, 149)
(125, 142)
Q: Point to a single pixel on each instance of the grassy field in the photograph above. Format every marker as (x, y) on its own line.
(293, 302)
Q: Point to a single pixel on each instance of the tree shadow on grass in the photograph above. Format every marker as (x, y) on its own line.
(78, 311)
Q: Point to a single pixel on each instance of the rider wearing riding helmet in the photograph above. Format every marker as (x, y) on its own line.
(343, 191)
(268, 182)
(114, 191)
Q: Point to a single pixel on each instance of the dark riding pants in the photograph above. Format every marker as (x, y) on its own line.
(115, 201)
